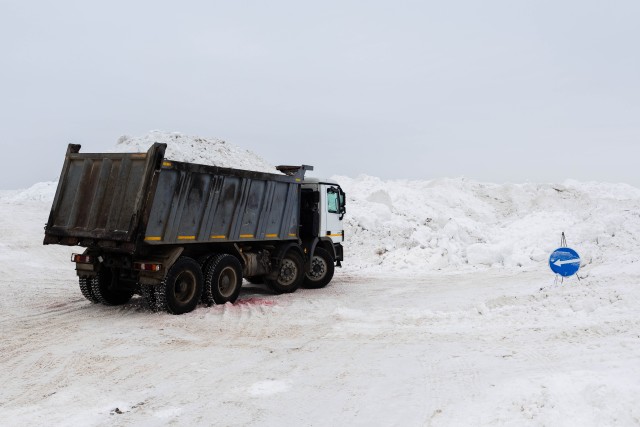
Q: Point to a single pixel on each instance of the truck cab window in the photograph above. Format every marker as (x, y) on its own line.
(333, 205)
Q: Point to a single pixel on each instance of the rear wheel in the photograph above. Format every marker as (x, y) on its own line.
(181, 289)
(85, 288)
(104, 288)
(290, 274)
(222, 279)
(321, 269)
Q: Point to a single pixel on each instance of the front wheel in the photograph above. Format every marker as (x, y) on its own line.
(181, 289)
(290, 274)
(321, 270)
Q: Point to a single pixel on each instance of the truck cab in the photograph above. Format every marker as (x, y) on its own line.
(322, 213)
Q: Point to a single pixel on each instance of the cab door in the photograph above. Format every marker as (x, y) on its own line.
(334, 212)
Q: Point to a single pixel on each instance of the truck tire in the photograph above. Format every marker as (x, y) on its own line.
(103, 289)
(222, 279)
(321, 269)
(290, 274)
(181, 289)
(85, 288)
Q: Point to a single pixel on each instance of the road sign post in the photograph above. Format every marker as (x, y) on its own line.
(564, 261)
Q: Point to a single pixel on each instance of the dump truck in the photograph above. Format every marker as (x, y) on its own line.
(180, 234)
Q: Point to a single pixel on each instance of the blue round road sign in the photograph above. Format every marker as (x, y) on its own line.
(564, 261)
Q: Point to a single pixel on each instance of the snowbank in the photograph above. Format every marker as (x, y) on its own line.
(417, 226)
(40, 192)
(406, 227)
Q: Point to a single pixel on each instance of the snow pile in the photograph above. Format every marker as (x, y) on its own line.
(40, 192)
(452, 223)
(195, 149)
(405, 227)
(447, 224)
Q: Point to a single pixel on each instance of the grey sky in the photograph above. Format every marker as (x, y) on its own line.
(491, 90)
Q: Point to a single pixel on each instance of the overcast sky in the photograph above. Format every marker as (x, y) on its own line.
(500, 91)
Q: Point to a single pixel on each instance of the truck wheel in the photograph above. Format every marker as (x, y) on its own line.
(85, 288)
(321, 270)
(222, 279)
(104, 290)
(181, 289)
(290, 274)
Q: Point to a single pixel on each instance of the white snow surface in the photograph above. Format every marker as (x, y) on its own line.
(422, 226)
(444, 314)
(196, 149)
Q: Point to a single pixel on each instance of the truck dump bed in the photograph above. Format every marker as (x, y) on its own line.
(100, 196)
(197, 203)
(123, 200)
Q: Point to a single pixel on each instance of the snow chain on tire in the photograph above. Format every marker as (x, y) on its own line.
(85, 288)
(168, 298)
(207, 269)
(95, 289)
(100, 288)
(214, 268)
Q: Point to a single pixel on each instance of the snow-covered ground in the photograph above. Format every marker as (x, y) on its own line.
(445, 313)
